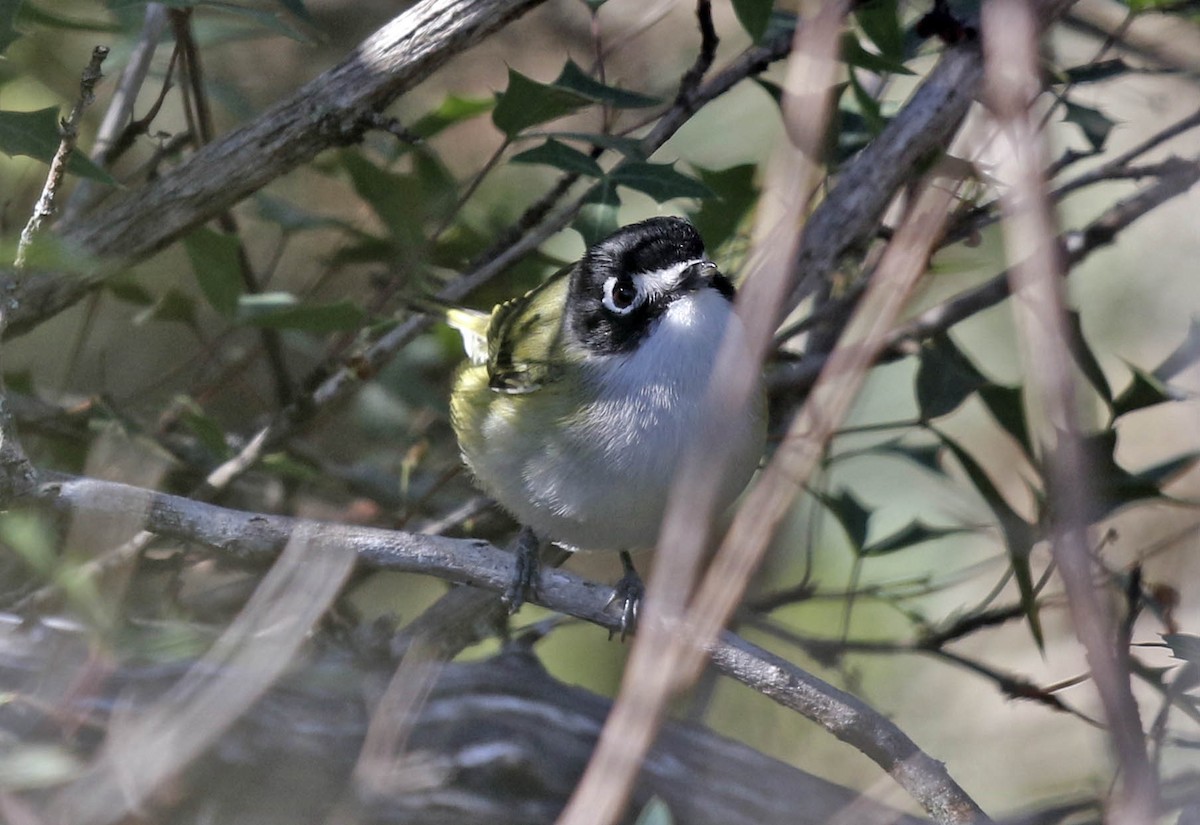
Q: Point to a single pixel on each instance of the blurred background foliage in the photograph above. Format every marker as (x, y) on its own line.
(926, 515)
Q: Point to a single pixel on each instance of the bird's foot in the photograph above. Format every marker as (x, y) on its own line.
(527, 571)
(627, 593)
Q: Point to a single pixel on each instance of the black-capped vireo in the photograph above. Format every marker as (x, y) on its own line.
(580, 397)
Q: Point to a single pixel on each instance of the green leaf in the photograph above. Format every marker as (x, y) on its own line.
(217, 266)
(880, 22)
(1183, 646)
(526, 103)
(754, 16)
(851, 514)
(1084, 357)
(36, 135)
(1095, 71)
(280, 310)
(597, 218)
(656, 812)
(1113, 486)
(8, 17)
(913, 533)
(660, 181)
(630, 147)
(403, 202)
(173, 306)
(291, 217)
(129, 291)
(32, 15)
(945, 378)
(561, 156)
(868, 106)
(718, 218)
(1183, 356)
(206, 430)
(855, 55)
(1007, 406)
(453, 109)
(1019, 535)
(1145, 390)
(1094, 124)
(576, 80)
(924, 455)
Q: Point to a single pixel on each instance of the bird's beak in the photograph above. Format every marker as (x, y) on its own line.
(705, 274)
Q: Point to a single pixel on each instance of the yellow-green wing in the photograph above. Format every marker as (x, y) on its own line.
(525, 337)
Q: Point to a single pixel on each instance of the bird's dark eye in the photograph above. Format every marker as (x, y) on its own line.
(624, 293)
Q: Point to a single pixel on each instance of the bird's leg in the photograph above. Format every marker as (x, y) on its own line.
(628, 593)
(526, 570)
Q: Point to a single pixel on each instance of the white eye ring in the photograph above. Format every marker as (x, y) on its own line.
(616, 304)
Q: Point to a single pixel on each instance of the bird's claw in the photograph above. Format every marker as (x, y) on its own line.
(526, 571)
(628, 593)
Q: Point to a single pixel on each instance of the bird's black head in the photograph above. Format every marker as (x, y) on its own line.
(624, 283)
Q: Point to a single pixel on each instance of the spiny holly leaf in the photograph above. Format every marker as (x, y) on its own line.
(880, 21)
(1019, 535)
(754, 15)
(945, 377)
(1007, 406)
(1115, 487)
(1183, 356)
(915, 532)
(574, 79)
(630, 147)
(660, 181)
(561, 156)
(851, 514)
(217, 266)
(1145, 390)
(1184, 646)
(526, 103)
(1094, 124)
(453, 109)
(36, 135)
(718, 219)
(1084, 357)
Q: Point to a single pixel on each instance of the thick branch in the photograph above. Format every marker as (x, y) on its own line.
(328, 111)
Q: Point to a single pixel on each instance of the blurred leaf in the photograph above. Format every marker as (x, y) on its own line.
(37, 16)
(32, 539)
(754, 15)
(851, 514)
(1114, 486)
(297, 8)
(597, 219)
(718, 218)
(771, 88)
(855, 55)
(29, 766)
(453, 109)
(217, 266)
(129, 291)
(660, 181)
(1094, 124)
(270, 20)
(560, 156)
(1084, 357)
(206, 430)
(574, 79)
(280, 310)
(1183, 355)
(925, 455)
(8, 17)
(1143, 391)
(526, 103)
(403, 202)
(880, 21)
(851, 132)
(945, 377)
(173, 305)
(630, 147)
(1019, 535)
(656, 812)
(291, 217)
(1007, 406)
(1095, 71)
(915, 532)
(35, 135)
(867, 106)
(20, 381)
(1183, 646)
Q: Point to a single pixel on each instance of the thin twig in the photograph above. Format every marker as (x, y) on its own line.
(69, 132)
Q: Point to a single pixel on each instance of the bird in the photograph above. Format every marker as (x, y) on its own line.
(578, 399)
